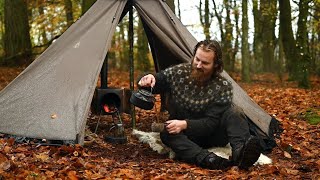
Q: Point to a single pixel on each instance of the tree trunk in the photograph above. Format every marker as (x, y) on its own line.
(86, 4)
(236, 41)
(244, 42)
(1, 28)
(294, 51)
(226, 33)
(17, 45)
(315, 40)
(69, 12)
(269, 15)
(44, 39)
(280, 58)
(123, 63)
(205, 19)
(227, 43)
(143, 50)
(219, 17)
(287, 37)
(257, 40)
(303, 65)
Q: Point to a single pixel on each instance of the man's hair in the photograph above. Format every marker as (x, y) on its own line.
(214, 46)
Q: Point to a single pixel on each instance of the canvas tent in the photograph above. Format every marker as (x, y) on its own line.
(51, 98)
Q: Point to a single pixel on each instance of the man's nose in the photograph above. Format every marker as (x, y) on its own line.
(199, 65)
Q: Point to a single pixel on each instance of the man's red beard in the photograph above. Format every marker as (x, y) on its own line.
(198, 76)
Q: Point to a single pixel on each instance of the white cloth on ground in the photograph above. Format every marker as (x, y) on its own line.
(154, 141)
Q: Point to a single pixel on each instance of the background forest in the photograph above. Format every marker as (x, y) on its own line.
(285, 34)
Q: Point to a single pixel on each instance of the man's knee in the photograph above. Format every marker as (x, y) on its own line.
(234, 113)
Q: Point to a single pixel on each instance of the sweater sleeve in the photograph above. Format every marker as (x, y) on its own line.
(210, 121)
(162, 84)
(163, 79)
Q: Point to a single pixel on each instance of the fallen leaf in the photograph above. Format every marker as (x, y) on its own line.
(292, 171)
(21, 149)
(10, 141)
(75, 153)
(318, 163)
(185, 166)
(89, 165)
(4, 163)
(3, 157)
(72, 175)
(79, 163)
(287, 155)
(283, 171)
(96, 176)
(54, 116)
(49, 173)
(201, 171)
(43, 157)
(7, 149)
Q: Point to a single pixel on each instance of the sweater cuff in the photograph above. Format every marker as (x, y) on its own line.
(190, 126)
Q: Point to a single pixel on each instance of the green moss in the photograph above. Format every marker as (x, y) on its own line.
(313, 116)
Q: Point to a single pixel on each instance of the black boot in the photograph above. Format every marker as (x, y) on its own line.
(212, 161)
(247, 154)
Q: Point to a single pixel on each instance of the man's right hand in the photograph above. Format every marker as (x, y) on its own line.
(147, 81)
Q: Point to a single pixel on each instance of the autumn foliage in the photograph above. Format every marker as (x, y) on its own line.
(295, 157)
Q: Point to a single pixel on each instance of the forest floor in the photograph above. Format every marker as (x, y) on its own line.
(296, 156)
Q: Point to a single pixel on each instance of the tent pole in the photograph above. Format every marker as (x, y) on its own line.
(104, 74)
(133, 114)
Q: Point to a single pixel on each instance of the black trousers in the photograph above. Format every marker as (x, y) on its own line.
(233, 127)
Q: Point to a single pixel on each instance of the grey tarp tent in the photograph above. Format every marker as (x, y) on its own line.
(51, 98)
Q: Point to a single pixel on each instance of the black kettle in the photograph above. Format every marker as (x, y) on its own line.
(143, 99)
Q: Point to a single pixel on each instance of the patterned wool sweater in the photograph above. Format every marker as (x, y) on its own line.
(201, 106)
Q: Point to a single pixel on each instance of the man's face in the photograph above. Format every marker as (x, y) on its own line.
(202, 64)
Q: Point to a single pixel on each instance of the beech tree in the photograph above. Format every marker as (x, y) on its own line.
(142, 52)
(43, 29)
(229, 40)
(295, 51)
(303, 64)
(237, 36)
(205, 18)
(17, 44)
(258, 40)
(315, 38)
(69, 12)
(1, 28)
(245, 55)
(268, 11)
(86, 4)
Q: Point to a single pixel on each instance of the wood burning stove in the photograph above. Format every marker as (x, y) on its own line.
(105, 96)
(111, 101)
(111, 97)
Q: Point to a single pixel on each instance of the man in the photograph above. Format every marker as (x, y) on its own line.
(201, 111)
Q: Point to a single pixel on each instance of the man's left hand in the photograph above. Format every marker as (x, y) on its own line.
(176, 126)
